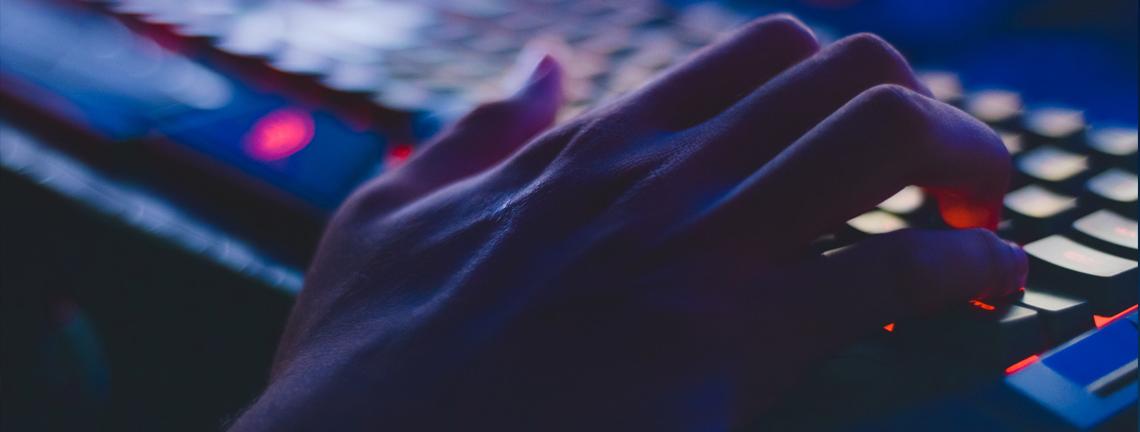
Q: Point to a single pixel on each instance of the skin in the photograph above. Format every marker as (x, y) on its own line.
(644, 266)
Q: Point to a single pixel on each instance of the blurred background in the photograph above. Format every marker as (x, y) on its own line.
(168, 165)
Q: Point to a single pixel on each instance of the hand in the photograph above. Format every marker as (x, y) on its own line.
(645, 265)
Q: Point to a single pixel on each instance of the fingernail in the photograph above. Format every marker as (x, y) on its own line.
(541, 71)
(1020, 262)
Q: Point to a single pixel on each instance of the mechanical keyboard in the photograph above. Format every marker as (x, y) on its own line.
(292, 104)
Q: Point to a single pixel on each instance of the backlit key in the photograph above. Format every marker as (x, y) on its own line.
(983, 336)
(994, 106)
(1053, 165)
(1037, 202)
(906, 201)
(1036, 211)
(1116, 189)
(1055, 124)
(1063, 317)
(1013, 142)
(1113, 229)
(1114, 144)
(876, 222)
(1106, 281)
(945, 86)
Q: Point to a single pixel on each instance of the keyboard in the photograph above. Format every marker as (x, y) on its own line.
(256, 111)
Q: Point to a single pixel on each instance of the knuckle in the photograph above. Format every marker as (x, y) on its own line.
(890, 97)
(902, 108)
(786, 28)
(874, 52)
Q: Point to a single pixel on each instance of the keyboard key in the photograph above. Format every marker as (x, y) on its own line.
(1013, 142)
(1117, 232)
(994, 106)
(1116, 189)
(1117, 145)
(906, 201)
(1038, 202)
(1106, 281)
(1055, 124)
(1062, 317)
(981, 336)
(1035, 211)
(945, 85)
(1053, 166)
(1115, 184)
(876, 222)
(1087, 381)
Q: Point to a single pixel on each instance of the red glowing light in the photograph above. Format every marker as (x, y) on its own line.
(980, 305)
(1102, 321)
(966, 216)
(961, 211)
(399, 154)
(889, 327)
(279, 134)
(1021, 364)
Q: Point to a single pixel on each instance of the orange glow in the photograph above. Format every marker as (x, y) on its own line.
(965, 216)
(889, 327)
(398, 154)
(980, 305)
(1021, 364)
(1102, 321)
(960, 211)
(279, 134)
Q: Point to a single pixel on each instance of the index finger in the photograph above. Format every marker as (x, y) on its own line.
(887, 138)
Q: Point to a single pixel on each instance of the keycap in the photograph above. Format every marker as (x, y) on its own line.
(945, 86)
(1115, 233)
(1013, 142)
(1116, 189)
(1063, 317)
(1035, 211)
(1060, 169)
(994, 106)
(1055, 125)
(982, 336)
(875, 222)
(1108, 282)
(1116, 145)
(1087, 381)
(905, 201)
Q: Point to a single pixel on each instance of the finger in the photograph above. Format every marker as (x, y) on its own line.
(912, 272)
(482, 138)
(492, 131)
(881, 141)
(719, 75)
(769, 119)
